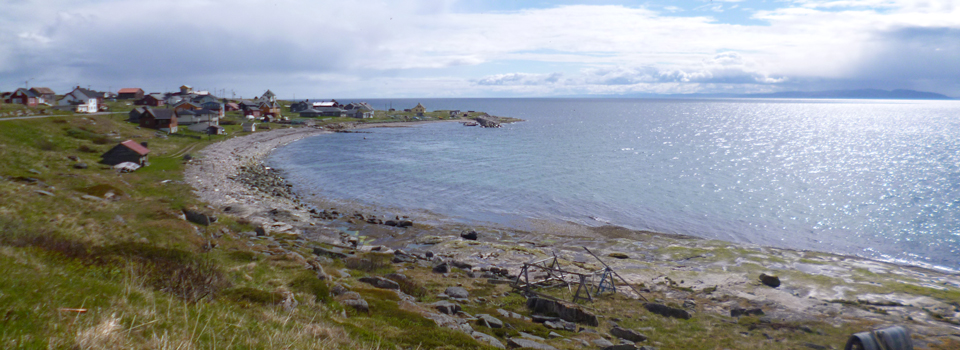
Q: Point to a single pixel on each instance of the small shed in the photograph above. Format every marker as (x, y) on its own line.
(136, 113)
(215, 130)
(130, 94)
(126, 151)
(249, 127)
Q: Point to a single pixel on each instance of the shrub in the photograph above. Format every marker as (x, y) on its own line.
(307, 282)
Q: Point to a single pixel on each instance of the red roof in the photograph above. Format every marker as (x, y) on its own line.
(136, 147)
(129, 90)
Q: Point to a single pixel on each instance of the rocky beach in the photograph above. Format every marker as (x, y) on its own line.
(780, 287)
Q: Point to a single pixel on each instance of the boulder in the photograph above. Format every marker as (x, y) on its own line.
(353, 300)
(80, 165)
(567, 313)
(327, 252)
(772, 281)
(527, 343)
(457, 292)
(470, 235)
(618, 255)
(441, 268)
(621, 347)
(667, 311)
(198, 218)
(603, 343)
(404, 223)
(380, 282)
(489, 321)
(263, 232)
(487, 339)
(461, 265)
(628, 334)
(446, 307)
(561, 324)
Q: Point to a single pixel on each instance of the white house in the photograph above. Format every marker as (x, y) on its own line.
(83, 100)
(249, 127)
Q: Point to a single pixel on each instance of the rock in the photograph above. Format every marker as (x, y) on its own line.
(390, 223)
(74, 158)
(397, 277)
(404, 223)
(187, 157)
(621, 347)
(446, 307)
(400, 256)
(354, 300)
(441, 268)
(469, 235)
(689, 304)
(815, 346)
(553, 335)
(618, 255)
(263, 232)
(603, 343)
(91, 198)
(380, 282)
(488, 339)
(561, 324)
(44, 193)
(542, 319)
(628, 334)
(737, 312)
(667, 311)
(772, 281)
(567, 313)
(489, 321)
(461, 265)
(289, 302)
(457, 292)
(197, 217)
(429, 240)
(80, 165)
(533, 337)
(327, 252)
(527, 343)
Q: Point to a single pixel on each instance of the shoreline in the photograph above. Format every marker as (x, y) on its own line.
(652, 260)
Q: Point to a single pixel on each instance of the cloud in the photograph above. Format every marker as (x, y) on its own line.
(375, 48)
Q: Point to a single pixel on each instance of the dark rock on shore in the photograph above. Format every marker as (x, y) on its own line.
(667, 311)
(469, 235)
(380, 282)
(198, 217)
(772, 281)
(441, 268)
(447, 307)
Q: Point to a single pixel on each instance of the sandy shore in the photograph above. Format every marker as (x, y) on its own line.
(813, 283)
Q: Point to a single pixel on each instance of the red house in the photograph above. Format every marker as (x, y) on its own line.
(24, 97)
(130, 94)
(154, 100)
(159, 119)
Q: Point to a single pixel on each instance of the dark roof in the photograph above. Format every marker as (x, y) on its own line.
(197, 112)
(161, 113)
(136, 147)
(43, 90)
(26, 92)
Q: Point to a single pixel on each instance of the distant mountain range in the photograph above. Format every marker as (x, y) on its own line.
(857, 94)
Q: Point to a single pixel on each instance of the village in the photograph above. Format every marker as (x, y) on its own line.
(196, 113)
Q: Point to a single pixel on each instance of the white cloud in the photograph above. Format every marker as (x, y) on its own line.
(250, 44)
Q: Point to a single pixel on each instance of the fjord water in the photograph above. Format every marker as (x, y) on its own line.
(878, 179)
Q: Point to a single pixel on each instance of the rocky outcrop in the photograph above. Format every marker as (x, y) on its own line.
(380, 282)
(488, 121)
(772, 281)
(627, 334)
(667, 311)
(567, 313)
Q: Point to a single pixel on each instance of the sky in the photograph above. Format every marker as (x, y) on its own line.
(480, 48)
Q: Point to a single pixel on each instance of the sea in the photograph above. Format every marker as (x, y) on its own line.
(872, 178)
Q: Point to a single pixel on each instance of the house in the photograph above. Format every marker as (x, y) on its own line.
(81, 100)
(216, 130)
(197, 116)
(155, 100)
(45, 94)
(268, 96)
(419, 109)
(300, 106)
(360, 113)
(186, 90)
(24, 97)
(248, 104)
(454, 113)
(249, 127)
(130, 94)
(252, 112)
(310, 113)
(332, 103)
(270, 108)
(136, 113)
(201, 99)
(331, 111)
(186, 105)
(163, 119)
(214, 106)
(230, 107)
(126, 151)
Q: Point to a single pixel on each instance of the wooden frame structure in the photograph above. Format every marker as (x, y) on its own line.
(554, 272)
